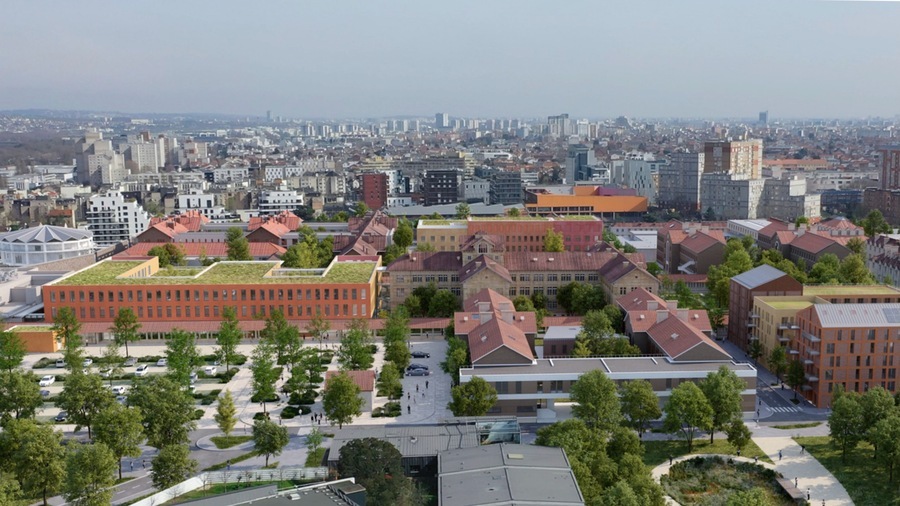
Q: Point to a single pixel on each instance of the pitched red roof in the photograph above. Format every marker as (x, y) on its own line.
(481, 263)
(637, 299)
(427, 261)
(286, 218)
(812, 243)
(365, 380)
(701, 241)
(517, 261)
(675, 338)
(496, 334)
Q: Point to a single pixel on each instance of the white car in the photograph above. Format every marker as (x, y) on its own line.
(87, 362)
(210, 370)
(46, 381)
(142, 370)
(105, 373)
(60, 362)
(117, 389)
(162, 362)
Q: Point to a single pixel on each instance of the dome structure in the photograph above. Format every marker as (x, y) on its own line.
(44, 243)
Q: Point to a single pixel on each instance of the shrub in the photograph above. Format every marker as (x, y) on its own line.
(43, 363)
(256, 398)
(373, 348)
(289, 412)
(307, 397)
(198, 414)
(392, 409)
(261, 416)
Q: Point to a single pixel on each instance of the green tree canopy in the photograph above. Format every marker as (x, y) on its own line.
(355, 352)
(90, 475)
(341, 400)
(20, 395)
(687, 412)
(84, 396)
(167, 410)
(264, 373)
(67, 327)
(12, 351)
(172, 465)
(874, 224)
(463, 211)
(39, 460)
(125, 328)
(723, 391)
(443, 304)
(121, 429)
(237, 245)
(269, 438)
(474, 398)
(597, 402)
(376, 465)
(183, 355)
(639, 403)
(846, 422)
(228, 337)
(553, 241)
(403, 234)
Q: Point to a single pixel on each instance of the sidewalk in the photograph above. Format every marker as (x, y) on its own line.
(810, 474)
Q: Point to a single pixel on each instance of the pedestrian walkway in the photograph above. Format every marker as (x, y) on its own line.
(796, 464)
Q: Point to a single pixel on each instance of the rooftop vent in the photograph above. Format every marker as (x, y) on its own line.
(465, 318)
(413, 440)
(515, 456)
(550, 259)
(696, 316)
(534, 259)
(641, 317)
(483, 338)
(521, 318)
(674, 336)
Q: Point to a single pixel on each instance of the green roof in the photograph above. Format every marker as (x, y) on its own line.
(32, 328)
(850, 290)
(795, 305)
(224, 273)
(510, 218)
(575, 217)
(440, 223)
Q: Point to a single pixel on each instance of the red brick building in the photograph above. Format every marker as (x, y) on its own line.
(764, 280)
(375, 190)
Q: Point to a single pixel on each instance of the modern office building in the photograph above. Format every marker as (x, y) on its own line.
(442, 186)
(344, 289)
(579, 160)
(506, 188)
(112, 218)
(593, 200)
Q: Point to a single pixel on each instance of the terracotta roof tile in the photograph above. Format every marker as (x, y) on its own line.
(494, 334)
(365, 380)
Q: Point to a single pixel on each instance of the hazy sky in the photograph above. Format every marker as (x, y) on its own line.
(487, 58)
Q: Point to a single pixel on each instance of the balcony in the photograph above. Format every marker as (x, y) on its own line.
(753, 315)
(814, 353)
(810, 337)
(811, 378)
(807, 361)
(792, 351)
(751, 325)
(788, 326)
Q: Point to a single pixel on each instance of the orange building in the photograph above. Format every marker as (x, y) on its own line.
(344, 289)
(583, 200)
(37, 338)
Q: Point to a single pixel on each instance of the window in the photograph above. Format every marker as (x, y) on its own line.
(502, 387)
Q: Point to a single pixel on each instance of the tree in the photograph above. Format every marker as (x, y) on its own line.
(755, 496)
(474, 398)
(723, 391)
(171, 466)
(597, 402)
(425, 247)
(264, 373)
(403, 234)
(167, 410)
(396, 337)
(754, 349)
(457, 357)
(355, 352)
(856, 245)
(84, 396)
(639, 403)
(737, 261)
(443, 304)
(237, 245)
(738, 434)
(314, 440)
(121, 429)
(182, 354)
(10, 491)
(269, 438)
(341, 400)
(285, 338)
(360, 209)
(12, 351)
(778, 361)
(390, 381)
(463, 211)
(616, 317)
(846, 422)
(66, 328)
(513, 212)
(300, 256)
(40, 461)
(112, 360)
(168, 254)
(853, 271)
(318, 327)
(877, 404)
(874, 224)
(90, 475)
(885, 435)
(392, 253)
(376, 465)
(826, 270)
(20, 396)
(586, 451)
(228, 337)
(553, 241)
(687, 411)
(654, 269)
(620, 494)
(796, 376)
(226, 413)
(586, 298)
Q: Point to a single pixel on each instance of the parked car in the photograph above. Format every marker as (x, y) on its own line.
(142, 370)
(130, 361)
(45, 393)
(121, 399)
(420, 354)
(162, 362)
(87, 362)
(193, 377)
(210, 370)
(62, 416)
(60, 362)
(46, 381)
(118, 389)
(416, 366)
(105, 373)
(418, 372)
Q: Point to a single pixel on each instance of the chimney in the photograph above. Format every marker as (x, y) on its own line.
(683, 315)
(671, 305)
(652, 305)
(661, 315)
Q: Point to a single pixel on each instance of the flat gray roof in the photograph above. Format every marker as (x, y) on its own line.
(562, 332)
(506, 474)
(623, 366)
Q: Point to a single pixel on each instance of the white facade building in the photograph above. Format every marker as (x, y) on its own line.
(230, 174)
(112, 218)
(44, 244)
(200, 201)
(275, 201)
(729, 197)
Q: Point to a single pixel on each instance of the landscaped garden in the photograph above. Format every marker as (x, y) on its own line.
(658, 452)
(866, 479)
(715, 481)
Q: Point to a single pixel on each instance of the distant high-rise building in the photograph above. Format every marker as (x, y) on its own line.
(578, 163)
(98, 162)
(764, 118)
(679, 182)
(890, 167)
(442, 120)
(506, 188)
(736, 158)
(559, 126)
(375, 189)
(442, 186)
(112, 218)
(269, 116)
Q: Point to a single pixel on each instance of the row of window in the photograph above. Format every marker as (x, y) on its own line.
(178, 295)
(252, 311)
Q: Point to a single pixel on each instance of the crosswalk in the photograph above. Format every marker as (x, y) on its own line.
(784, 410)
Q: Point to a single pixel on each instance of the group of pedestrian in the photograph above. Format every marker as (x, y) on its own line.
(316, 417)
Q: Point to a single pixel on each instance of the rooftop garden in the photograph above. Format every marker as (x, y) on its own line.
(789, 304)
(509, 218)
(32, 328)
(849, 290)
(440, 223)
(222, 273)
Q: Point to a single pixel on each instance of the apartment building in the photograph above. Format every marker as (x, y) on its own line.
(374, 189)
(483, 262)
(442, 186)
(730, 196)
(525, 233)
(883, 257)
(112, 218)
(506, 188)
(277, 201)
(679, 182)
(764, 280)
(740, 158)
(344, 289)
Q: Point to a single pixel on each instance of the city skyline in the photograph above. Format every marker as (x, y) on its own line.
(797, 59)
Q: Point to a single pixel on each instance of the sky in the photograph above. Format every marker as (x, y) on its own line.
(470, 58)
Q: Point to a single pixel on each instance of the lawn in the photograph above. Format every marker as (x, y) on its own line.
(658, 452)
(223, 442)
(235, 460)
(314, 459)
(865, 479)
(797, 426)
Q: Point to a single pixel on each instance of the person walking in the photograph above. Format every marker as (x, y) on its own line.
(426, 383)
(408, 409)
(779, 454)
